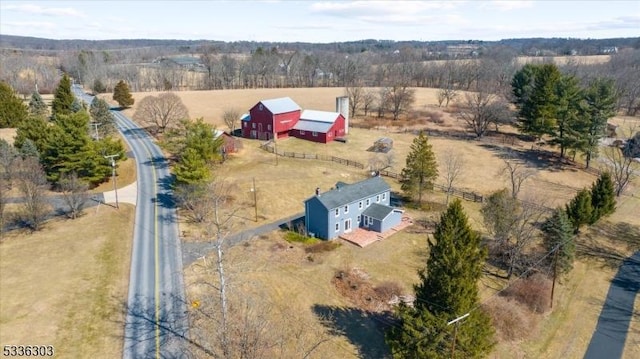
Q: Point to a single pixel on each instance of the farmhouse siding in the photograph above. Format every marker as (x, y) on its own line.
(316, 218)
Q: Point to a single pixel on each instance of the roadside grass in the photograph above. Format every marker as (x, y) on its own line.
(66, 284)
(126, 175)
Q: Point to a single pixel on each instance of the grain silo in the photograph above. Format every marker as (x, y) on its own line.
(342, 107)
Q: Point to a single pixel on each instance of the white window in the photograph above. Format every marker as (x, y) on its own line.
(244, 124)
(253, 125)
(301, 132)
(346, 209)
(359, 220)
(269, 127)
(384, 196)
(337, 227)
(378, 199)
(314, 134)
(347, 225)
(366, 221)
(360, 205)
(368, 202)
(260, 107)
(337, 212)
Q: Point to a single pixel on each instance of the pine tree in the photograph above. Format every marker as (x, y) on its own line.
(101, 114)
(29, 149)
(69, 149)
(579, 210)
(63, 98)
(558, 236)
(603, 197)
(37, 106)
(12, 110)
(122, 94)
(568, 97)
(601, 101)
(421, 168)
(34, 128)
(192, 169)
(534, 88)
(448, 289)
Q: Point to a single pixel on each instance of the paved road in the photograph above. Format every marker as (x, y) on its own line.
(193, 251)
(156, 323)
(611, 331)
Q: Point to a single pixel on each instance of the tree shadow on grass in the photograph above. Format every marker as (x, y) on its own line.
(532, 158)
(365, 330)
(624, 237)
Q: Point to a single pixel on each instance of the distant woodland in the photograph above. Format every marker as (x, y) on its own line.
(163, 65)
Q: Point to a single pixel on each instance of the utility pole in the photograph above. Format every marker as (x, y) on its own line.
(95, 125)
(113, 175)
(455, 333)
(275, 150)
(255, 198)
(555, 273)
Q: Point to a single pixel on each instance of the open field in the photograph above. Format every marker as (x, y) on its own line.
(65, 285)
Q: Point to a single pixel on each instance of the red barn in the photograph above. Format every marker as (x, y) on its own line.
(270, 119)
(319, 126)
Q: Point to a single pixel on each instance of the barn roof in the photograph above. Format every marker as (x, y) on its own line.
(280, 105)
(320, 116)
(349, 193)
(313, 126)
(378, 211)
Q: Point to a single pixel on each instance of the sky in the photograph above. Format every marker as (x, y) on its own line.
(319, 21)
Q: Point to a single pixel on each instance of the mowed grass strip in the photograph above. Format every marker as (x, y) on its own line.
(65, 285)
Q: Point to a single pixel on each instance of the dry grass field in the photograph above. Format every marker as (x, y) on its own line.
(65, 285)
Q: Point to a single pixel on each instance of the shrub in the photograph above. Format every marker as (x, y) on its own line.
(534, 292)
(387, 290)
(512, 322)
(322, 246)
(291, 237)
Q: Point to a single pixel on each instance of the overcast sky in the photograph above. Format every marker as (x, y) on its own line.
(319, 21)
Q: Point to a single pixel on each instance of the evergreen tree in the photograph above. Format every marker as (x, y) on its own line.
(500, 213)
(579, 210)
(122, 94)
(34, 128)
(192, 169)
(12, 110)
(448, 289)
(200, 136)
(98, 87)
(101, 114)
(63, 98)
(37, 106)
(69, 149)
(29, 149)
(534, 88)
(558, 236)
(568, 96)
(603, 197)
(600, 104)
(421, 168)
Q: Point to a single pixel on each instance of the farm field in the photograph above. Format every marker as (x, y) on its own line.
(65, 285)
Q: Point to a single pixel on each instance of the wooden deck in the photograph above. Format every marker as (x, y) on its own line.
(362, 237)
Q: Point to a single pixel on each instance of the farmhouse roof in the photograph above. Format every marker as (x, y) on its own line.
(378, 211)
(319, 116)
(349, 193)
(280, 105)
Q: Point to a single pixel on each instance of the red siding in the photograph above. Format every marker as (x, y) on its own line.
(308, 135)
(266, 125)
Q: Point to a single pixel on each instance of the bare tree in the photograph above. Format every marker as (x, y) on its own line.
(517, 173)
(622, 168)
(400, 98)
(453, 164)
(4, 191)
(482, 109)
(355, 94)
(32, 183)
(368, 99)
(231, 117)
(75, 193)
(446, 95)
(161, 112)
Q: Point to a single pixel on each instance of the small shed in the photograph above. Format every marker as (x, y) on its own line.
(383, 144)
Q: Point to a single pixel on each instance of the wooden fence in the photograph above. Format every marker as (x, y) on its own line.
(312, 156)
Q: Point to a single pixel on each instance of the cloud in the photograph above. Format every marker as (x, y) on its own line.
(509, 5)
(379, 10)
(47, 11)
